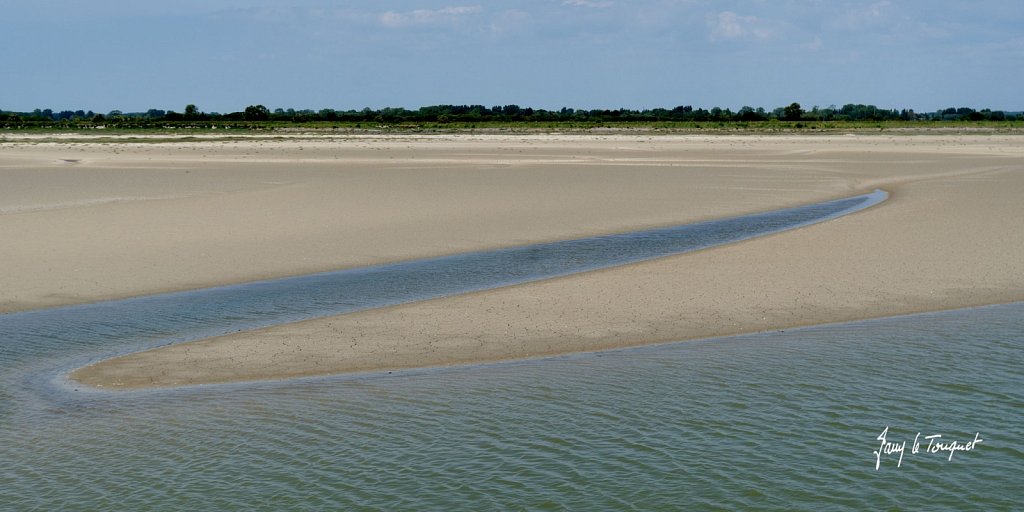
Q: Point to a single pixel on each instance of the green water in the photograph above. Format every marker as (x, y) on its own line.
(779, 421)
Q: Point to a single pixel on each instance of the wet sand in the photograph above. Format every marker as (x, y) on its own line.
(159, 217)
(97, 221)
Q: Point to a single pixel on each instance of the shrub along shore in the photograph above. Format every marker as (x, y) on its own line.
(446, 118)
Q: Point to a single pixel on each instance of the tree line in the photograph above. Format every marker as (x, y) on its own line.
(471, 114)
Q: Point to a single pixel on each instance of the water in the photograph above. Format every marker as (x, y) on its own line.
(779, 420)
(106, 329)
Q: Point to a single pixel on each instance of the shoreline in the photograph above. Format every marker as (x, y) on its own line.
(224, 359)
(118, 220)
(527, 243)
(945, 239)
(66, 381)
(705, 128)
(386, 261)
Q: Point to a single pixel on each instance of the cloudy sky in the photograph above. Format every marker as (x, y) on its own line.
(223, 55)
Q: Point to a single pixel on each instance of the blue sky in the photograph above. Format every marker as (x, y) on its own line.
(223, 55)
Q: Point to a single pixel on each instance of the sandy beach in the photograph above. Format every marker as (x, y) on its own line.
(99, 219)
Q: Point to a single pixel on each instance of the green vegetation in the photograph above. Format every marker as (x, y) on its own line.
(513, 118)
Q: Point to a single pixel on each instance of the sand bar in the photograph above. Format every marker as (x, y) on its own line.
(948, 237)
(85, 221)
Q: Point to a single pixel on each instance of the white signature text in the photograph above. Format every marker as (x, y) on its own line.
(936, 444)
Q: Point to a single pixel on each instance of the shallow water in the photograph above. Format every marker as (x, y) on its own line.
(779, 420)
(82, 334)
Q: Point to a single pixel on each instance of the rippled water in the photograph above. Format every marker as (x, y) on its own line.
(779, 420)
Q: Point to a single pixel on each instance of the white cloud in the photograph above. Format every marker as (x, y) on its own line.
(728, 25)
(877, 9)
(869, 15)
(427, 16)
(509, 21)
(589, 3)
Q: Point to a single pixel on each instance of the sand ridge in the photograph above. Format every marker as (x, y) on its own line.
(948, 237)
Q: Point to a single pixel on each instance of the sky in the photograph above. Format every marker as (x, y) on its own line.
(223, 55)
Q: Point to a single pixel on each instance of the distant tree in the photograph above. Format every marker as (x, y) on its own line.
(793, 112)
(328, 114)
(191, 112)
(256, 113)
(749, 114)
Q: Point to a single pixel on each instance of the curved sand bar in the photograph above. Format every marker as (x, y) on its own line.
(948, 237)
